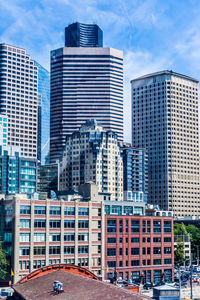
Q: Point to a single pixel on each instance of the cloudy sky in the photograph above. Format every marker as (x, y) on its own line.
(154, 34)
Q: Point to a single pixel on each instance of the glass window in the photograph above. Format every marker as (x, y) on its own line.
(40, 210)
(54, 223)
(55, 210)
(157, 250)
(167, 250)
(83, 224)
(167, 226)
(157, 239)
(53, 250)
(69, 249)
(111, 264)
(135, 251)
(69, 211)
(39, 237)
(135, 226)
(83, 237)
(111, 240)
(69, 237)
(167, 239)
(135, 263)
(24, 223)
(82, 249)
(24, 251)
(135, 240)
(148, 226)
(39, 223)
(156, 226)
(128, 210)
(39, 250)
(24, 237)
(25, 209)
(83, 211)
(111, 226)
(69, 223)
(157, 261)
(111, 252)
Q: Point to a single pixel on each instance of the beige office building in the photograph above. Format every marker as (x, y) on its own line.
(45, 232)
(165, 120)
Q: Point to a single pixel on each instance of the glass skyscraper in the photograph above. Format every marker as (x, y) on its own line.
(44, 110)
(86, 83)
(83, 35)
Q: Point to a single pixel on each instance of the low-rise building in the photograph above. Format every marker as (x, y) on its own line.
(69, 230)
(138, 247)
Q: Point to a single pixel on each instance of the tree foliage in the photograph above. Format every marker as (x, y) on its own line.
(179, 256)
(3, 263)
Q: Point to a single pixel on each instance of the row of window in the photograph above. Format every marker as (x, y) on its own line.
(136, 251)
(54, 210)
(113, 240)
(135, 263)
(53, 250)
(39, 223)
(53, 237)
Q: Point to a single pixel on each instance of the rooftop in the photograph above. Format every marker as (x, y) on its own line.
(75, 287)
(165, 72)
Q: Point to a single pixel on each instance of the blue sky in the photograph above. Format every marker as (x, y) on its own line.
(154, 34)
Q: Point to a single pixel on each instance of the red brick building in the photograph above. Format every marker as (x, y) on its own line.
(140, 248)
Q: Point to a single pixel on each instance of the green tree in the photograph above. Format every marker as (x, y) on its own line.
(180, 229)
(3, 262)
(179, 256)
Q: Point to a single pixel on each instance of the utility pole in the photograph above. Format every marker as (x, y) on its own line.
(191, 293)
(179, 275)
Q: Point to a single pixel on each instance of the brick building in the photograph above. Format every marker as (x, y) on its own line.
(140, 248)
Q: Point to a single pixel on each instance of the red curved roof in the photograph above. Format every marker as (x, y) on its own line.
(64, 267)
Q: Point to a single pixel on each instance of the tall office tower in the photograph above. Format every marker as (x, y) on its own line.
(86, 83)
(44, 91)
(18, 174)
(92, 154)
(135, 170)
(19, 98)
(165, 121)
(83, 35)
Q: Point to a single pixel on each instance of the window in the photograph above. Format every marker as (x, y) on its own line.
(111, 264)
(25, 223)
(69, 211)
(148, 226)
(53, 250)
(157, 250)
(69, 237)
(69, 224)
(39, 237)
(167, 250)
(54, 223)
(167, 239)
(120, 251)
(68, 249)
(144, 226)
(135, 240)
(83, 237)
(135, 251)
(143, 251)
(38, 250)
(24, 251)
(111, 252)
(134, 263)
(83, 224)
(24, 237)
(83, 211)
(156, 226)
(39, 223)
(54, 237)
(157, 261)
(111, 240)
(82, 249)
(167, 261)
(40, 210)
(111, 226)
(135, 226)
(157, 240)
(55, 210)
(120, 225)
(24, 264)
(25, 209)
(167, 226)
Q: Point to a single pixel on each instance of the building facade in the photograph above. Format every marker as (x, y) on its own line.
(135, 173)
(18, 174)
(19, 98)
(3, 130)
(44, 92)
(165, 121)
(138, 247)
(45, 232)
(86, 83)
(92, 154)
(48, 179)
(83, 35)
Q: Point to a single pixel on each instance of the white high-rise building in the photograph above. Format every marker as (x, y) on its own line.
(19, 98)
(165, 121)
(86, 83)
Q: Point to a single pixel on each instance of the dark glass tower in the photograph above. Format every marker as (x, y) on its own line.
(83, 35)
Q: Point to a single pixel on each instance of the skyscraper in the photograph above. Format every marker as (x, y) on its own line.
(165, 121)
(44, 91)
(83, 35)
(19, 98)
(86, 82)
(92, 154)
